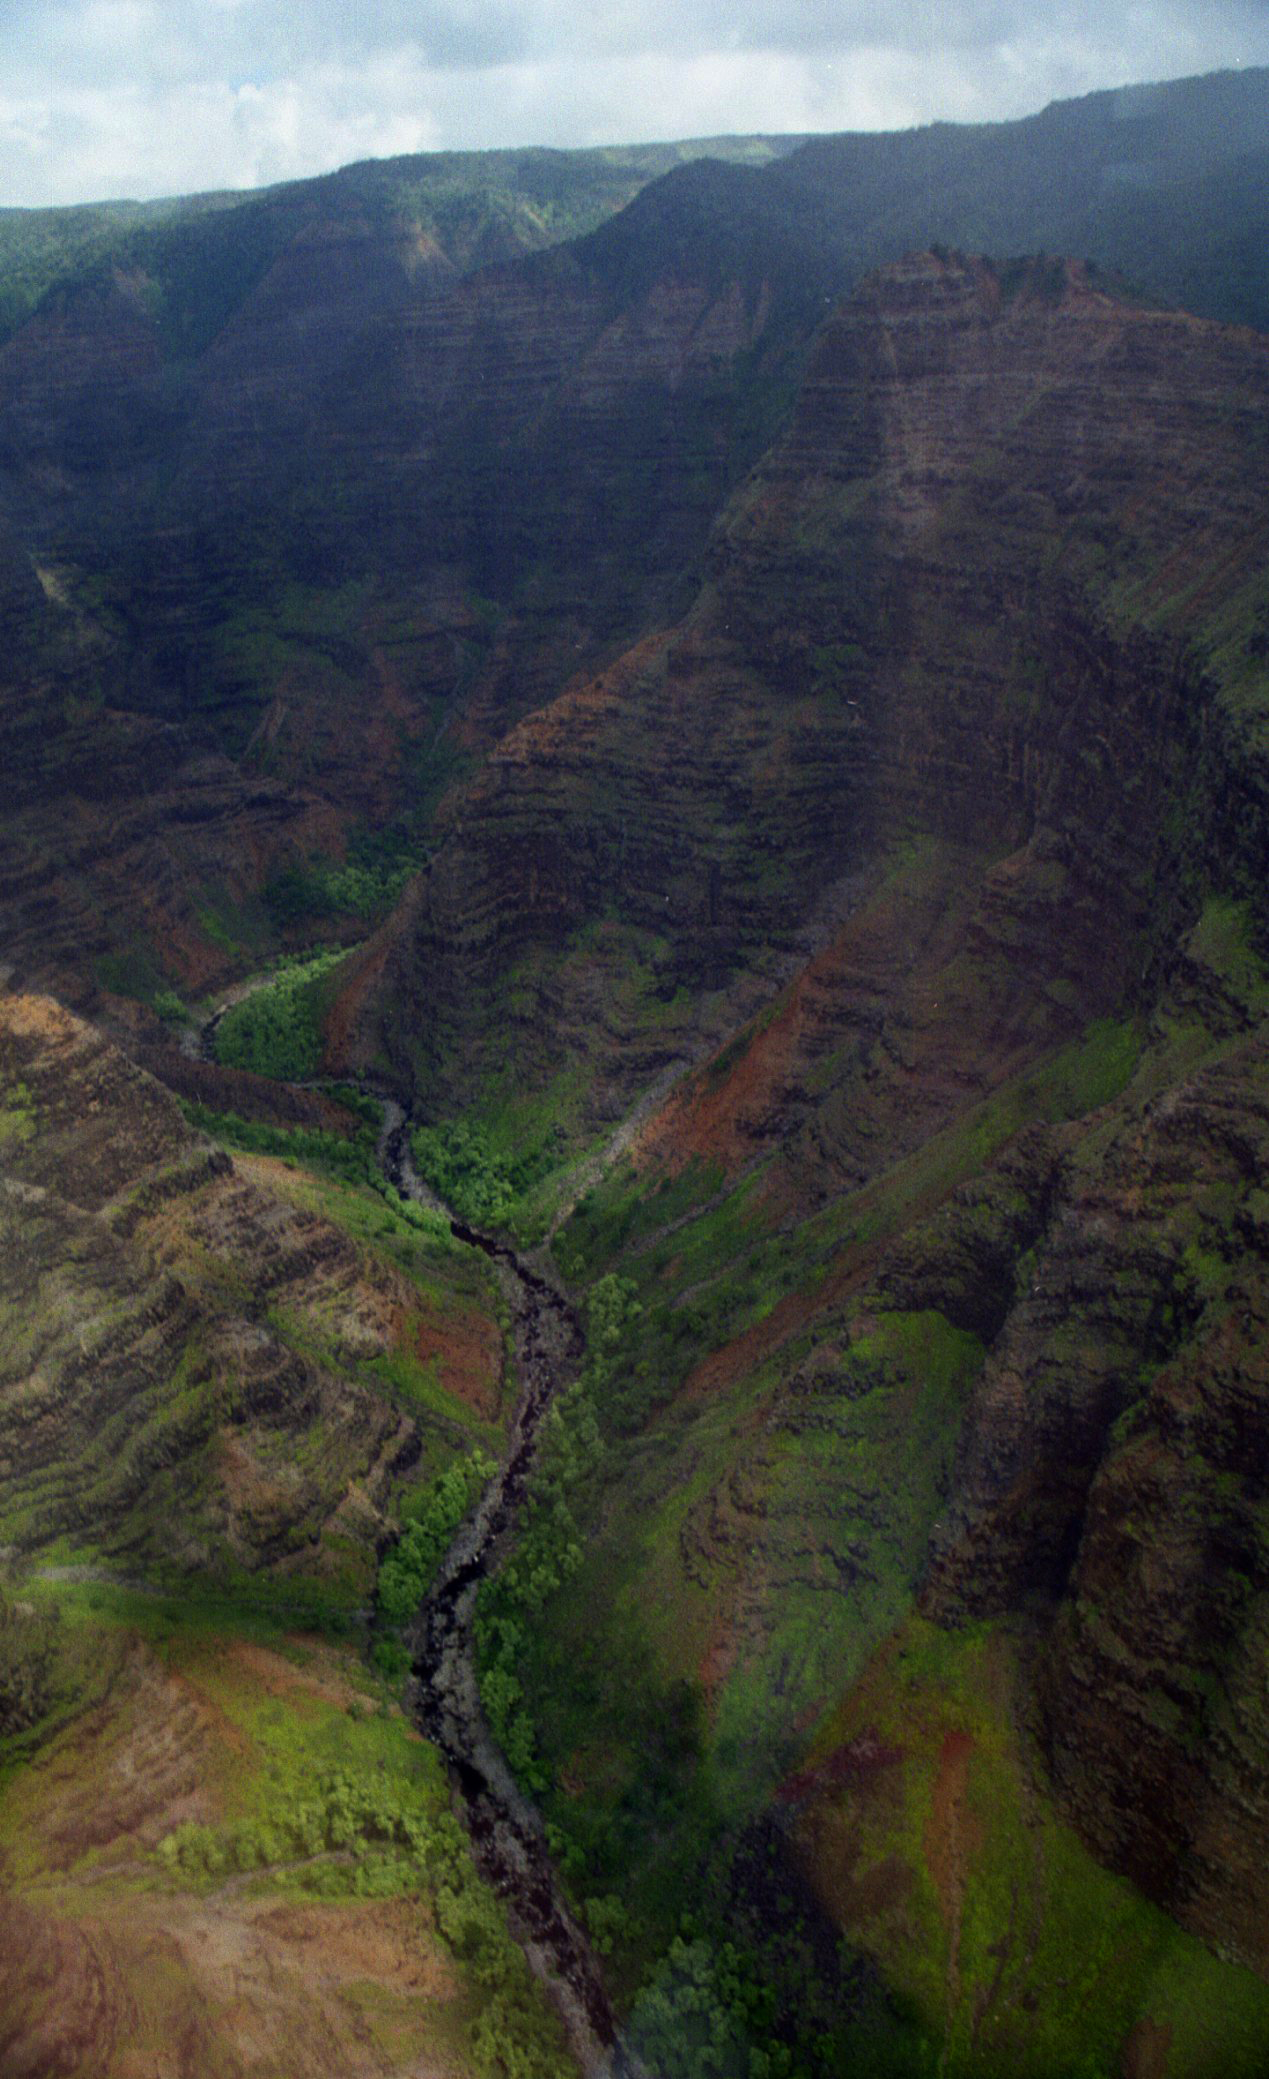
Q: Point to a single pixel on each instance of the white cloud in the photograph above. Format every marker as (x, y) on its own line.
(110, 97)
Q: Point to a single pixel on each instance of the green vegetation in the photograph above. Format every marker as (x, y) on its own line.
(276, 1030)
(624, 1210)
(548, 1547)
(702, 1257)
(19, 1114)
(983, 1944)
(458, 1161)
(336, 1158)
(547, 1553)
(708, 2014)
(1224, 940)
(326, 1154)
(339, 1179)
(314, 1790)
(193, 260)
(707, 1617)
(28, 1656)
(171, 1008)
(365, 886)
(133, 971)
(481, 1180)
(377, 1826)
(575, 1689)
(406, 1570)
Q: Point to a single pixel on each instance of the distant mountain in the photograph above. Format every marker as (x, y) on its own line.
(203, 253)
(1167, 183)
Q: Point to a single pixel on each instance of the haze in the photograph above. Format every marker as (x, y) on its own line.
(148, 97)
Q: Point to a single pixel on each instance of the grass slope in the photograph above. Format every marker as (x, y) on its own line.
(231, 1841)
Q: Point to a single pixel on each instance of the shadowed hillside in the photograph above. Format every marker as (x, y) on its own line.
(730, 711)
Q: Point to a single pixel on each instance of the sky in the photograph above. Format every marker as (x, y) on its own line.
(105, 98)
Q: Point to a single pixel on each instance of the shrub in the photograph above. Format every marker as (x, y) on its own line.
(28, 1655)
(406, 1571)
(275, 1030)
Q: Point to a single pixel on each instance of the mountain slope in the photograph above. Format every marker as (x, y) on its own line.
(940, 663)
(799, 759)
(199, 1371)
(336, 483)
(935, 827)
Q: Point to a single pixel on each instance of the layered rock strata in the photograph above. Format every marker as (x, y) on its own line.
(151, 1403)
(932, 717)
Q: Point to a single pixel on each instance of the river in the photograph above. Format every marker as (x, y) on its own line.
(507, 1835)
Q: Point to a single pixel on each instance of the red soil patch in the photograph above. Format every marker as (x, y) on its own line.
(227, 1985)
(947, 1829)
(740, 1358)
(468, 1350)
(349, 1012)
(321, 1674)
(552, 731)
(834, 999)
(107, 1971)
(854, 1762)
(138, 1764)
(61, 2014)
(1145, 2051)
(721, 1650)
(255, 1493)
(720, 1118)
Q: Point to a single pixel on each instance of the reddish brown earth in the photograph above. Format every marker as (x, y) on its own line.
(179, 1371)
(902, 751)
(109, 1970)
(468, 1351)
(911, 821)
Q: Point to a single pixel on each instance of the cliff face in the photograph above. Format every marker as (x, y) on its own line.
(945, 618)
(303, 575)
(342, 481)
(937, 827)
(160, 1395)
(1112, 1468)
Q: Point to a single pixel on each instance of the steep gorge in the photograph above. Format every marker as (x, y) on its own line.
(189, 1368)
(947, 615)
(842, 942)
(335, 483)
(943, 809)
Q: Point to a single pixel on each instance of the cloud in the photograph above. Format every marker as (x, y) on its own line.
(145, 97)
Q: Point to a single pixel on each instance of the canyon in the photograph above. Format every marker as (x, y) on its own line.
(635, 854)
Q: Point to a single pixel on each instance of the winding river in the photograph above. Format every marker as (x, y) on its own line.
(507, 1835)
(506, 1831)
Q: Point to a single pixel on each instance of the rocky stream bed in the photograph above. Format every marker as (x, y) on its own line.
(506, 1831)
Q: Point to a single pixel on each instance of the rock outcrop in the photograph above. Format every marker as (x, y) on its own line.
(943, 813)
(160, 1398)
(932, 718)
